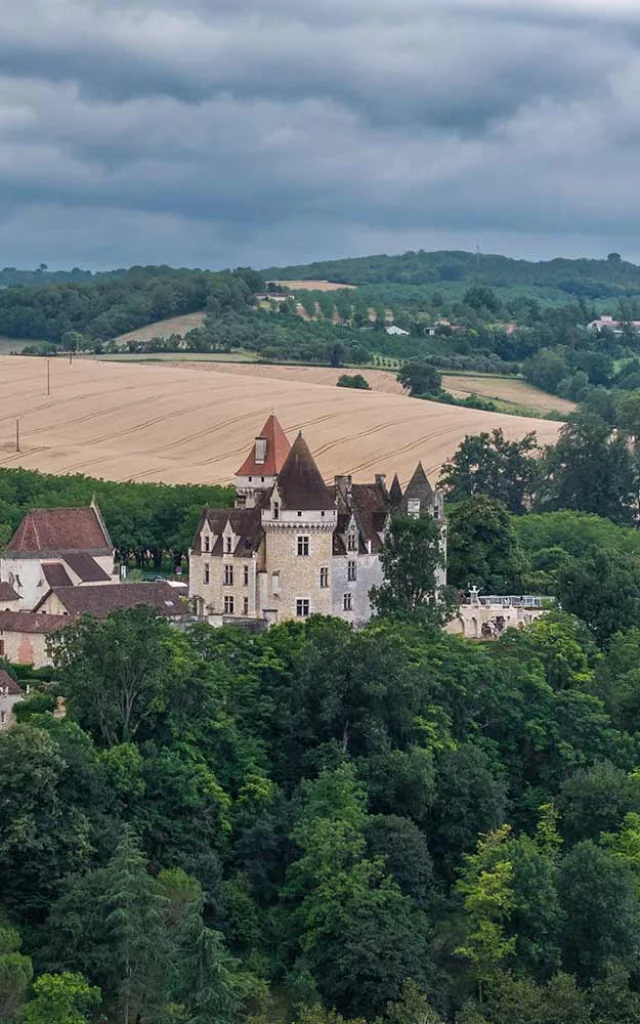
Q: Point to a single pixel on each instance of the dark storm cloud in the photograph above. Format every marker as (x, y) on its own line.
(251, 132)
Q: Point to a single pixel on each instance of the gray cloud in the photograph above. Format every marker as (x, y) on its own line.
(143, 132)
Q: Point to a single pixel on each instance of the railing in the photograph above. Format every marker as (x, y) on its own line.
(506, 601)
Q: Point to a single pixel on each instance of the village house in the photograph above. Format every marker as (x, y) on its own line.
(293, 545)
(55, 547)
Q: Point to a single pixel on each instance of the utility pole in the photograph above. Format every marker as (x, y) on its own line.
(17, 433)
(48, 377)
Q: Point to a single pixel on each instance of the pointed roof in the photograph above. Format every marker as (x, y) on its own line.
(418, 488)
(45, 531)
(278, 448)
(300, 484)
(395, 492)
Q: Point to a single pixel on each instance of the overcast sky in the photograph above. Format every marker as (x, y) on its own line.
(225, 132)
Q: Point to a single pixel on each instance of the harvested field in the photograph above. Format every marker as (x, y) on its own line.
(165, 328)
(314, 286)
(379, 380)
(508, 390)
(124, 421)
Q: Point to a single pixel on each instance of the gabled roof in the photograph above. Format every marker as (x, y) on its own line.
(418, 488)
(278, 448)
(47, 531)
(300, 484)
(245, 523)
(9, 684)
(99, 601)
(7, 593)
(395, 492)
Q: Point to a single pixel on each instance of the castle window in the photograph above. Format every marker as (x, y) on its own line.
(352, 542)
(228, 604)
(347, 603)
(245, 606)
(303, 546)
(299, 515)
(3, 717)
(302, 608)
(229, 545)
(1, 648)
(324, 578)
(246, 575)
(206, 574)
(228, 575)
(250, 479)
(207, 542)
(276, 510)
(352, 571)
(436, 512)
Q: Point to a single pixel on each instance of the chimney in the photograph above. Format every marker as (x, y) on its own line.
(343, 492)
(261, 449)
(381, 480)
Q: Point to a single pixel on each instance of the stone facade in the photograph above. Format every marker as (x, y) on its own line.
(294, 546)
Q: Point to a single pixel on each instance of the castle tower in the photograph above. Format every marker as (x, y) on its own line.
(258, 472)
(299, 521)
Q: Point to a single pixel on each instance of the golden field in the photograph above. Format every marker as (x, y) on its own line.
(194, 424)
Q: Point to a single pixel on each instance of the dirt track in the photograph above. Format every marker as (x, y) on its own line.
(180, 424)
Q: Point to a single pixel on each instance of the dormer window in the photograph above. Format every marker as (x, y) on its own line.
(261, 450)
(352, 542)
(229, 545)
(276, 510)
(207, 542)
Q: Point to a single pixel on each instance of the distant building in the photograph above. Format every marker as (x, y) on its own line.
(293, 545)
(606, 322)
(100, 601)
(398, 331)
(10, 695)
(55, 547)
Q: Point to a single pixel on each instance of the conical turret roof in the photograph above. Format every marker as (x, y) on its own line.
(418, 488)
(395, 492)
(300, 484)
(278, 448)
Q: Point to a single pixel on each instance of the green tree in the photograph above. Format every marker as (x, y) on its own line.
(115, 672)
(355, 380)
(61, 999)
(489, 464)
(486, 888)
(483, 548)
(15, 975)
(411, 557)
(420, 378)
(603, 591)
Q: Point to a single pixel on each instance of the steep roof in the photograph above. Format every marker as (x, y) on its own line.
(418, 488)
(245, 522)
(395, 492)
(278, 448)
(300, 484)
(54, 530)
(9, 684)
(100, 601)
(7, 593)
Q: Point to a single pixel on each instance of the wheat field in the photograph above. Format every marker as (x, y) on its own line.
(190, 425)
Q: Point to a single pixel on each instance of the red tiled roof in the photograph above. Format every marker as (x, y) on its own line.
(278, 448)
(56, 530)
(9, 684)
(7, 593)
(29, 622)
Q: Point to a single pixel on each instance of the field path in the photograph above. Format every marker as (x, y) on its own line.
(194, 424)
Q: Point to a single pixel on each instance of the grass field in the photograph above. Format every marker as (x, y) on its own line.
(183, 424)
(8, 345)
(165, 328)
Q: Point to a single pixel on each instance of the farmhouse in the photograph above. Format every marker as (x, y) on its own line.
(293, 546)
(55, 547)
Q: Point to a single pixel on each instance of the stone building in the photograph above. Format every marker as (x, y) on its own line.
(55, 547)
(293, 545)
(10, 695)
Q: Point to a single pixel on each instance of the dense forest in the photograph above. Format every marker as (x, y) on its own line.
(148, 523)
(321, 825)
